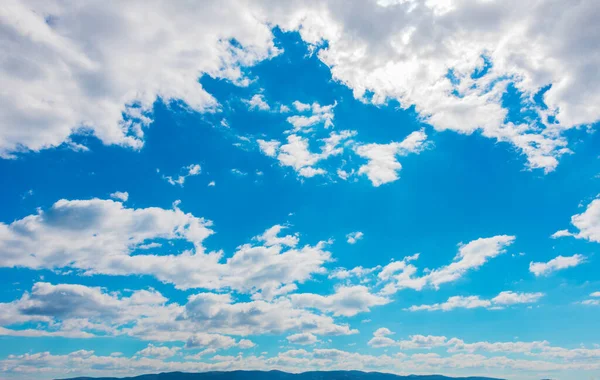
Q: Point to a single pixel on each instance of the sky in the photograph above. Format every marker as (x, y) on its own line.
(401, 186)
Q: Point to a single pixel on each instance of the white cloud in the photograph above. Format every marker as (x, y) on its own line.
(455, 302)
(383, 166)
(344, 174)
(353, 237)
(218, 312)
(302, 339)
(471, 256)
(301, 106)
(122, 196)
(257, 102)
(358, 272)
(309, 172)
(512, 347)
(99, 236)
(511, 298)
(215, 342)
(346, 301)
(269, 148)
(561, 233)
(297, 155)
(73, 73)
(319, 114)
(79, 311)
(161, 352)
(69, 72)
(211, 184)
(381, 339)
(503, 299)
(190, 171)
(587, 223)
(382, 331)
(557, 263)
(238, 172)
(34, 365)
(424, 55)
(271, 237)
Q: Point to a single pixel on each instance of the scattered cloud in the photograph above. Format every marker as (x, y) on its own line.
(382, 166)
(190, 171)
(238, 172)
(161, 352)
(269, 148)
(59, 95)
(471, 256)
(346, 301)
(258, 102)
(302, 339)
(99, 236)
(318, 114)
(503, 299)
(122, 196)
(587, 224)
(297, 155)
(353, 237)
(557, 263)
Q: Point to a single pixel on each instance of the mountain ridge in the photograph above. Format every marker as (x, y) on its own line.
(280, 375)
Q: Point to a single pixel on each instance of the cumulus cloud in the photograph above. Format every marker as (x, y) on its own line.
(100, 236)
(557, 263)
(205, 321)
(297, 155)
(503, 299)
(258, 102)
(122, 196)
(214, 342)
(453, 345)
(451, 63)
(587, 224)
(190, 171)
(471, 256)
(561, 233)
(269, 148)
(78, 311)
(69, 73)
(302, 339)
(218, 312)
(161, 352)
(591, 302)
(346, 301)
(300, 360)
(318, 114)
(356, 272)
(353, 237)
(381, 339)
(382, 331)
(383, 166)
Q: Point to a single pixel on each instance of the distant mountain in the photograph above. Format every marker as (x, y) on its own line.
(278, 375)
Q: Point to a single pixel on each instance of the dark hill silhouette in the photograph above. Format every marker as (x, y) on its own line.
(278, 375)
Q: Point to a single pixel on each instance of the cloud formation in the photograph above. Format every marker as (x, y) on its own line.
(100, 237)
(503, 299)
(556, 264)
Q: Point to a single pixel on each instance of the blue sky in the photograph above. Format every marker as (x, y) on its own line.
(304, 195)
